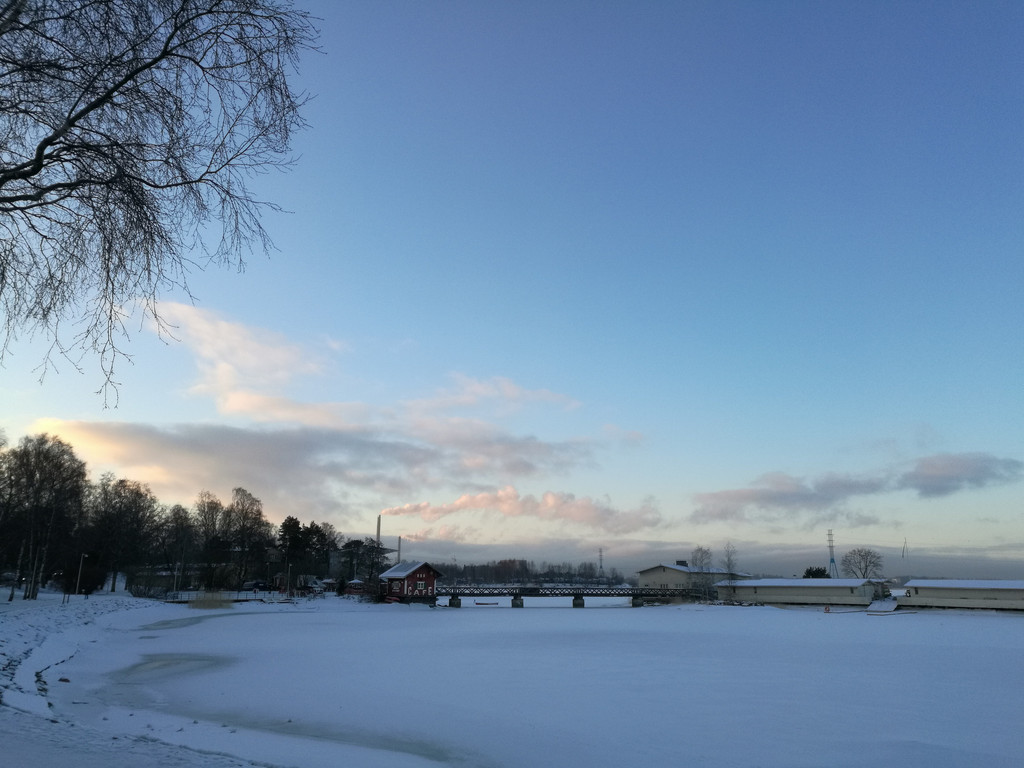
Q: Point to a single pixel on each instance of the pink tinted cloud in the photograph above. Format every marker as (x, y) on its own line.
(452, 533)
(551, 506)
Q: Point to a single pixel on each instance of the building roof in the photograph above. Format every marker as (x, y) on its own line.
(402, 570)
(967, 583)
(804, 583)
(688, 569)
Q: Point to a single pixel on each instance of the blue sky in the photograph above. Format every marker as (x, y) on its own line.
(640, 276)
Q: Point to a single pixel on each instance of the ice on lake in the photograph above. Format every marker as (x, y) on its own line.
(332, 682)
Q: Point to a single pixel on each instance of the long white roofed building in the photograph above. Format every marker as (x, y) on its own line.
(799, 591)
(1005, 594)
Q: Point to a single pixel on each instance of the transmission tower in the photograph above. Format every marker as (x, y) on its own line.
(832, 570)
(600, 562)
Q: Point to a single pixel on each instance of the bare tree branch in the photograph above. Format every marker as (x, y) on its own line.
(128, 132)
(9, 12)
(862, 563)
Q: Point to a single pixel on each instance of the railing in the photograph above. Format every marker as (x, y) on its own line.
(580, 590)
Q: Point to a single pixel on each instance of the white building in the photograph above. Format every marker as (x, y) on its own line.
(962, 593)
(799, 591)
(683, 576)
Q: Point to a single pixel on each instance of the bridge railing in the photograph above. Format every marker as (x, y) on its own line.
(580, 590)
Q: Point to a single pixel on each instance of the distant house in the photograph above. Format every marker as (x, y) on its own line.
(682, 576)
(962, 593)
(410, 583)
(799, 591)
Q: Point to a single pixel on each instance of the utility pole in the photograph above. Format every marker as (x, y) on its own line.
(78, 582)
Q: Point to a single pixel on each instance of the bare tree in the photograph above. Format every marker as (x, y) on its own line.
(44, 485)
(128, 132)
(177, 542)
(729, 564)
(125, 519)
(700, 559)
(862, 563)
(214, 539)
(250, 532)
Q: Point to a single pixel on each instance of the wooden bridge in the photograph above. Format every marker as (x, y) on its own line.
(578, 593)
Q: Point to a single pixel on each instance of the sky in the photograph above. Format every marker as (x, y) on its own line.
(557, 278)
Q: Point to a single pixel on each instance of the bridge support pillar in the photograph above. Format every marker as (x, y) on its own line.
(517, 601)
(577, 601)
(454, 602)
(638, 602)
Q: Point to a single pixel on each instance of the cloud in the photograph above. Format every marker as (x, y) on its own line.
(456, 534)
(320, 455)
(778, 496)
(275, 409)
(244, 369)
(551, 506)
(946, 473)
(229, 353)
(301, 471)
(484, 449)
(312, 471)
(503, 392)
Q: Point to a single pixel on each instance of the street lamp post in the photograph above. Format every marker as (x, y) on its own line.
(78, 582)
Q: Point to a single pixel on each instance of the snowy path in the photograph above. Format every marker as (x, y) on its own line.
(35, 628)
(36, 635)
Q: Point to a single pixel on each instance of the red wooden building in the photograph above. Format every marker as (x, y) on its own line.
(410, 583)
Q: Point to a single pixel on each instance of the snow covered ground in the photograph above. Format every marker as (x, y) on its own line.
(113, 682)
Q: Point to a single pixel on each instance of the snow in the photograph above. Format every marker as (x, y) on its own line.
(113, 682)
(402, 570)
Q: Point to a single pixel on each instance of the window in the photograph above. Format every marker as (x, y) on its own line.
(421, 585)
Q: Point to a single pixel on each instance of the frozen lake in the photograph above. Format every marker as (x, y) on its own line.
(330, 682)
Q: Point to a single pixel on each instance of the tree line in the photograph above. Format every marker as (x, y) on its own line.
(515, 571)
(58, 527)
